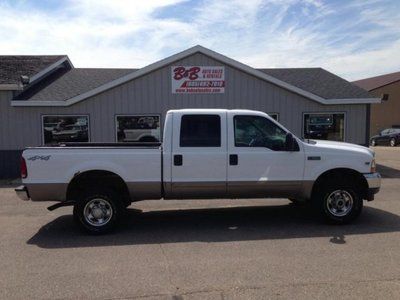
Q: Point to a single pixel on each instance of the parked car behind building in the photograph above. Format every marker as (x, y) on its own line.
(389, 136)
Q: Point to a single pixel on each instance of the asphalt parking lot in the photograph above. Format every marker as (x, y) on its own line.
(242, 249)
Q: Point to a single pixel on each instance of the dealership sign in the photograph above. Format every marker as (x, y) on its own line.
(198, 79)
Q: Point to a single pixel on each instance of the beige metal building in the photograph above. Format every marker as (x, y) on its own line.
(387, 113)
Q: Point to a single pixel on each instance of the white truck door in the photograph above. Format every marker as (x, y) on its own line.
(258, 164)
(199, 155)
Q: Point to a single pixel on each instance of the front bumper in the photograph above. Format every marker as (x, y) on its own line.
(22, 193)
(373, 180)
(374, 184)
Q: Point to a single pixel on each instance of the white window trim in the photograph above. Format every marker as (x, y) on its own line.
(134, 115)
(326, 113)
(274, 113)
(65, 115)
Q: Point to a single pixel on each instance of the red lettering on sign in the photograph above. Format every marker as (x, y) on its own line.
(181, 72)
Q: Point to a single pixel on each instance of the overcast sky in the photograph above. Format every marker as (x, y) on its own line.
(354, 39)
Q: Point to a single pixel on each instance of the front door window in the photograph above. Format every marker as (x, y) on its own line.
(256, 131)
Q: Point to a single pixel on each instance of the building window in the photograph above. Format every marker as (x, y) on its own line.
(62, 129)
(274, 116)
(255, 131)
(200, 131)
(324, 126)
(138, 128)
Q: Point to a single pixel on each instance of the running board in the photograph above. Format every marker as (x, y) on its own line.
(61, 204)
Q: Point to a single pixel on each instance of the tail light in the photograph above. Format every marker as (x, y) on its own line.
(24, 170)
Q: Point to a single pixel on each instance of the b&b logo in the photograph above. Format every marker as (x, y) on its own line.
(182, 72)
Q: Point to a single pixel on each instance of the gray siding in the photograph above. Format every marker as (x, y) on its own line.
(9, 163)
(21, 126)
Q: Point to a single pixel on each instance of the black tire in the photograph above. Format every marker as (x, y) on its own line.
(373, 143)
(98, 202)
(392, 142)
(328, 197)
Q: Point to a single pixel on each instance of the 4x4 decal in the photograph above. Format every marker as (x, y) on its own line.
(36, 157)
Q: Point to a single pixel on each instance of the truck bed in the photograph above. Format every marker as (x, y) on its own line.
(105, 145)
(51, 169)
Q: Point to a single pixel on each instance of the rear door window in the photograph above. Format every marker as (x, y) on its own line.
(200, 131)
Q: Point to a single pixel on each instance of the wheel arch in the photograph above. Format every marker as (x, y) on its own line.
(342, 174)
(97, 178)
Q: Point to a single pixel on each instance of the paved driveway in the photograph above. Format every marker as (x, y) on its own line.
(253, 249)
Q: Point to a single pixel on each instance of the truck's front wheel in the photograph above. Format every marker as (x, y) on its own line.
(338, 203)
(98, 211)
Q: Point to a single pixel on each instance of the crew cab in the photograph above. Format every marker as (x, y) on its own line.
(206, 154)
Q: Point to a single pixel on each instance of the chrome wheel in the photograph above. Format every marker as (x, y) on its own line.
(392, 142)
(339, 203)
(98, 212)
(373, 143)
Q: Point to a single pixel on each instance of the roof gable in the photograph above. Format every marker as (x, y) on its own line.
(66, 84)
(319, 82)
(373, 83)
(197, 49)
(12, 67)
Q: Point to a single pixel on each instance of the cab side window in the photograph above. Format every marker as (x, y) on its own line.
(200, 131)
(257, 131)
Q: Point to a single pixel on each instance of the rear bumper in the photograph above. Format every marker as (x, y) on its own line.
(22, 193)
(374, 185)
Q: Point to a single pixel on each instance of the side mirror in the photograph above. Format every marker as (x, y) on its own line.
(290, 143)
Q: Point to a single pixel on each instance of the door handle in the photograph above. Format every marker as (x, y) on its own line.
(178, 160)
(233, 159)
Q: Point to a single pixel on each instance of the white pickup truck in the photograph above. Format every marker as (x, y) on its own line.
(206, 153)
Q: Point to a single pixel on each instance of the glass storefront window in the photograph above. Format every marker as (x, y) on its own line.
(324, 126)
(136, 128)
(62, 129)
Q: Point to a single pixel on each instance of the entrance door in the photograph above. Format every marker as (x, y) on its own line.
(259, 165)
(199, 157)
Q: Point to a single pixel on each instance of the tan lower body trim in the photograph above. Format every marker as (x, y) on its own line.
(238, 189)
(144, 190)
(189, 190)
(47, 191)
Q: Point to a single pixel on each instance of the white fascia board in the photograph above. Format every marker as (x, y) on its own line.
(169, 60)
(353, 101)
(68, 103)
(28, 103)
(49, 68)
(10, 87)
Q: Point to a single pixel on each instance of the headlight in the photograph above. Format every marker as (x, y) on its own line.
(373, 166)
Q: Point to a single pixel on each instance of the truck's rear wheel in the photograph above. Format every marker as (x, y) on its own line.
(338, 203)
(98, 211)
